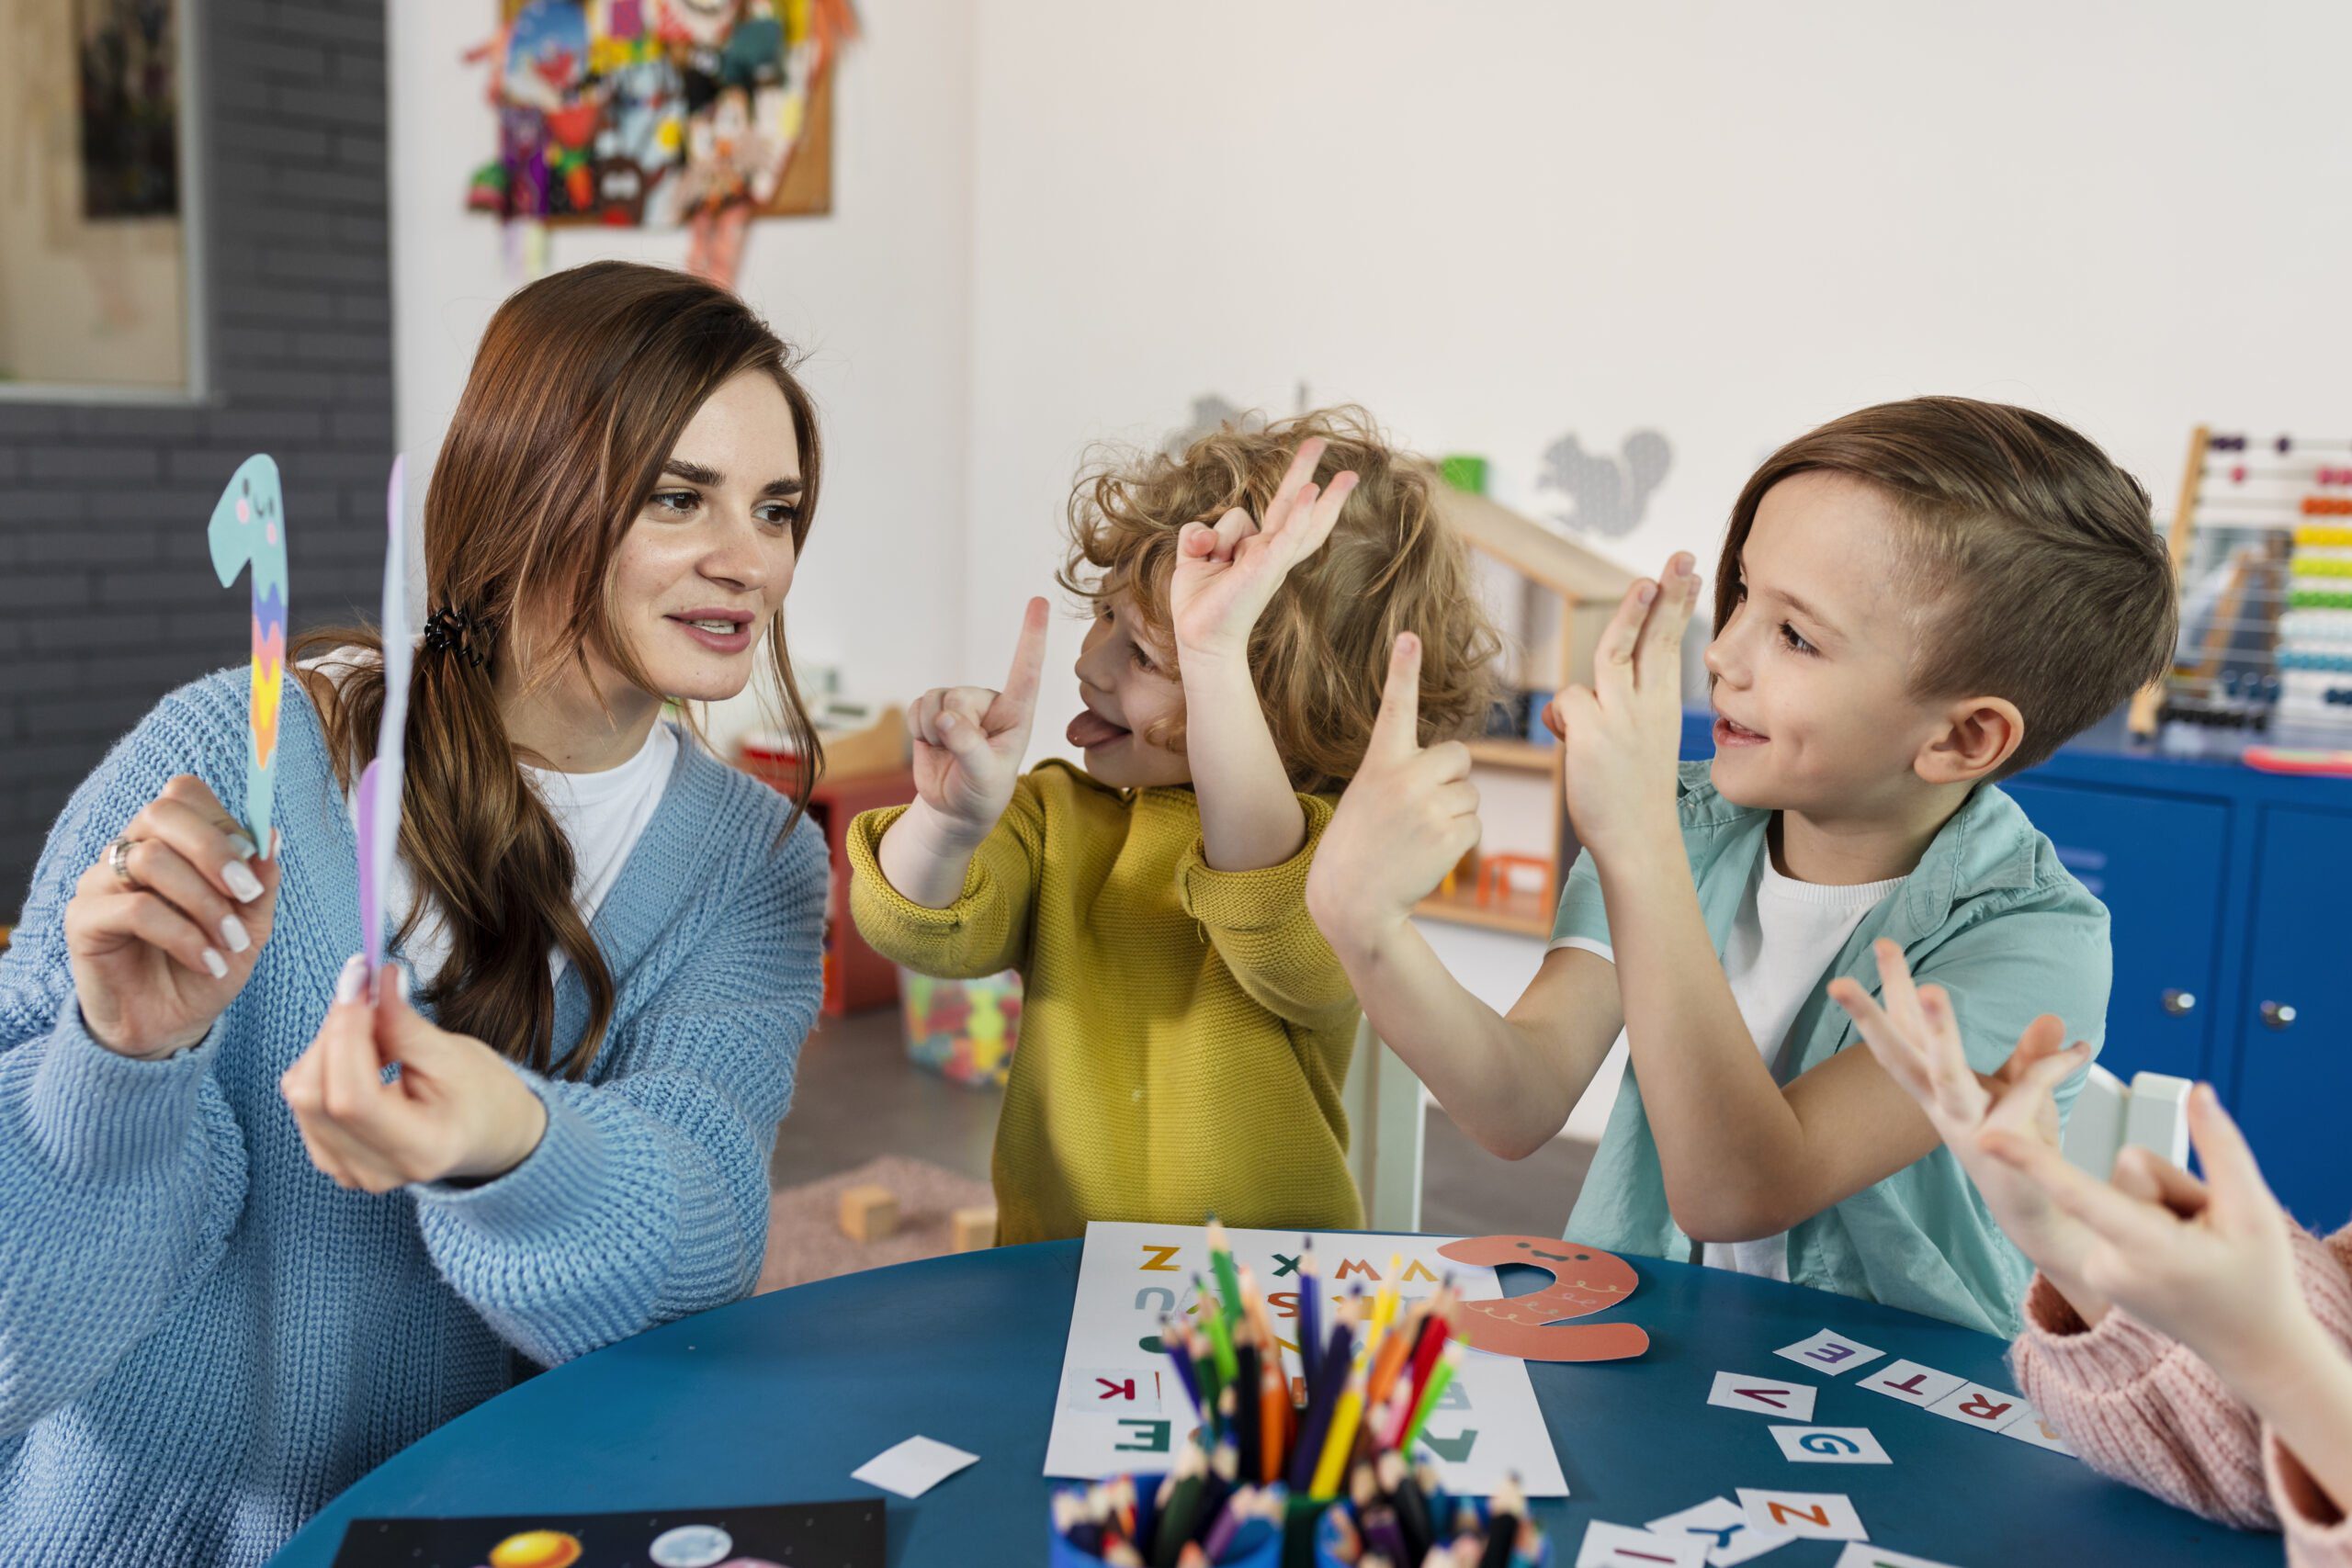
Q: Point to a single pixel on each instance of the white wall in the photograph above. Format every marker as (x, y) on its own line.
(1494, 223)
(878, 295)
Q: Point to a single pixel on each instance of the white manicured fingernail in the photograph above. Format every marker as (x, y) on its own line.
(233, 933)
(217, 965)
(242, 883)
(244, 845)
(352, 981)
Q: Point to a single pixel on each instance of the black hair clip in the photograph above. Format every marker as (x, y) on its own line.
(452, 631)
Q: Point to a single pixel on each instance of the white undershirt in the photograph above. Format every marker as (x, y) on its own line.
(603, 814)
(1783, 939)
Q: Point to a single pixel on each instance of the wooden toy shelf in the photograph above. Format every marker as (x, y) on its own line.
(1568, 591)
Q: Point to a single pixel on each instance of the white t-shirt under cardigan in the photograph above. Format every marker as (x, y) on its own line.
(601, 813)
(1782, 942)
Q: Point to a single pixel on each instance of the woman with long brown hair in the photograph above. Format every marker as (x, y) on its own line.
(241, 1262)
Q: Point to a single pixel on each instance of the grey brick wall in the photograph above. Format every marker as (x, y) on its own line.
(106, 594)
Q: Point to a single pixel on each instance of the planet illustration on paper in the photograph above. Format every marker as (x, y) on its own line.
(536, 1549)
(691, 1546)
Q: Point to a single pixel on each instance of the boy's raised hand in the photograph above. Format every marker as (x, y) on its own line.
(1226, 574)
(1915, 1038)
(969, 740)
(1623, 734)
(1406, 817)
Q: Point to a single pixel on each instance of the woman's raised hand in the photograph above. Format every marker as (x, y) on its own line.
(164, 930)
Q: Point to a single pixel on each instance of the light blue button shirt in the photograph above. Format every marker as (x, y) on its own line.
(1988, 914)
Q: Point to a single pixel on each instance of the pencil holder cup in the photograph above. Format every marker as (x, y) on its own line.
(1326, 1536)
(1255, 1546)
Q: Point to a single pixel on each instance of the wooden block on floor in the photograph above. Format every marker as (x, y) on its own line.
(975, 1229)
(869, 1213)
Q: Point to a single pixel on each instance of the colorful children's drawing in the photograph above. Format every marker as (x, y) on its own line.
(248, 530)
(376, 802)
(654, 113)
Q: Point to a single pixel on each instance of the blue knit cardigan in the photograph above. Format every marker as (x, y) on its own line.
(202, 1339)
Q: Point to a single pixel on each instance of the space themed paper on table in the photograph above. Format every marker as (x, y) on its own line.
(765, 1537)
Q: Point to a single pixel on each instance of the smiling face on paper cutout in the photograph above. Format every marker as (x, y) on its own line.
(1585, 1280)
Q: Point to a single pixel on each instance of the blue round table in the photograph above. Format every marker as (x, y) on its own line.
(778, 1398)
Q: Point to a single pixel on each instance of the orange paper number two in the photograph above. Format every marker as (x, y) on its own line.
(1584, 1281)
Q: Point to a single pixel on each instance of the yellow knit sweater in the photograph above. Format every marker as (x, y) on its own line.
(1185, 1031)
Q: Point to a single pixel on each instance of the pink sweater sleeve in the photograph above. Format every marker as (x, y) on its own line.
(2144, 1409)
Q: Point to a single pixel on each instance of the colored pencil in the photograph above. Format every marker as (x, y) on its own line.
(1172, 1340)
(1449, 1363)
(1345, 1416)
(1249, 1408)
(1219, 1324)
(1179, 1504)
(1503, 1515)
(1221, 1261)
(1310, 1311)
(1273, 1418)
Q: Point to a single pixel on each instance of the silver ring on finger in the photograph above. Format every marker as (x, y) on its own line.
(118, 862)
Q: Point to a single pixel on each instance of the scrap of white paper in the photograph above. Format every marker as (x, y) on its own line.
(1829, 1445)
(1720, 1525)
(1766, 1396)
(1912, 1383)
(1831, 1353)
(1816, 1516)
(1974, 1404)
(1622, 1546)
(913, 1467)
(2029, 1426)
(1863, 1556)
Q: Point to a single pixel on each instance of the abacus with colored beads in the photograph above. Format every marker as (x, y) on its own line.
(2266, 582)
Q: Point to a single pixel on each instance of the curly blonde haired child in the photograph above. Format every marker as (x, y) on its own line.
(1186, 1030)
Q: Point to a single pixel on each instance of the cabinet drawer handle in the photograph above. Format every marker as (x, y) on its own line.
(2278, 1015)
(2179, 1003)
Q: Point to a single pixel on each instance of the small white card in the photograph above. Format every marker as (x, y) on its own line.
(1622, 1546)
(1815, 1515)
(1831, 1353)
(2030, 1426)
(1720, 1525)
(1974, 1404)
(1766, 1396)
(1829, 1445)
(1912, 1383)
(1861, 1556)
(912, 1468)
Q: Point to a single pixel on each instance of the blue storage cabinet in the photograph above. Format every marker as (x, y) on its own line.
(2230, 893)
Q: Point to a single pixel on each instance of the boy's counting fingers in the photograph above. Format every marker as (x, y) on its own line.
(1657, 656)
(1310, 534)
(1613, 653)
(1028, 658)
(1295, 480)
(1396, 729)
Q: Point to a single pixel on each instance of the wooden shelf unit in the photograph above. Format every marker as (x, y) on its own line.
(1578, 577)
